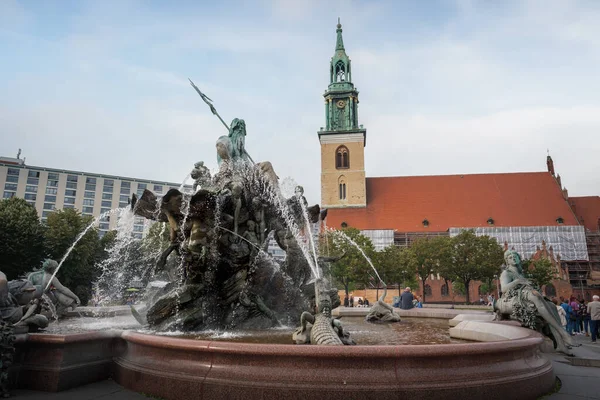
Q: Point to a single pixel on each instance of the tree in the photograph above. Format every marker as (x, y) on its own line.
(353, 267)
(21, 237)
(78, 271)
(427, 255)
(473, 258)
(391, 264)
(540, 271)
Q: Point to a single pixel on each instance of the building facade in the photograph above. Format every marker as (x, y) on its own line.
(524, 210)
(49, 189)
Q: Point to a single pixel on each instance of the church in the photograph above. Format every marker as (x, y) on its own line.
(531, 212)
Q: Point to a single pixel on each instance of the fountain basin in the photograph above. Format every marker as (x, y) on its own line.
(174, 368)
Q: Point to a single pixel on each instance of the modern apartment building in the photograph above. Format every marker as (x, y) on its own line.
(49, 189)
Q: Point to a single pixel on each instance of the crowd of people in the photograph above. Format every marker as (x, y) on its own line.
(579, 317)
(406, 301)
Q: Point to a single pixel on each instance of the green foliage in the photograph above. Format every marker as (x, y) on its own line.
(21, 237)
(392, 265)
(472, 258)
(353, 267)
(78, 271)
(428, 256)
(486, 288)
(459, 288)
(540, 272)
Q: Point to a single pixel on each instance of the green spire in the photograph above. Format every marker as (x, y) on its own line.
(339, 45)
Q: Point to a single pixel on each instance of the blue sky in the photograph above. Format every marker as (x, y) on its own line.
(445, 86)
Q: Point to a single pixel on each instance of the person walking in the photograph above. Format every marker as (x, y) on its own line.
(594, 310)
(561, 314)
(585, 318)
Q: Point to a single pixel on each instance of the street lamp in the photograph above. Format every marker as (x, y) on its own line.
(581, 285)
(497, 286)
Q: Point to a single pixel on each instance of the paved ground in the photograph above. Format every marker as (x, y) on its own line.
(105, 390)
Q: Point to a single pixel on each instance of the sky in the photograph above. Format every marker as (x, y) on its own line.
(446, 87)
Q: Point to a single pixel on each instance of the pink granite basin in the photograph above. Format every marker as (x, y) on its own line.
(174, 368)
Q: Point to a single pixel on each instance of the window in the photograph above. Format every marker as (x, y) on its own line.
(444, 290)
(104, 226)
(88, 210)
(51, 191)
(31, 203)
(124, 198)
(158, 188)
(109, 182)
(123, 205)
(33, 174)
(88, 202)
(142, 186)
(12, 178)
(427, 290)
(342, 190)
(479, 292)
(106, 203)
(107, 196)
(33, 181)
(48, 206)
(68, 206)
(342, 158)
(70, 192)
(138, 228)
(52, 183)
(105, 210)
(126, 184)
(125, 190)
(52, 176)
(32, 189)
(10, 186)
(13, 171)
(30, 196)
(90, 187)
(72, 178)
(69, 200)
(550, 290)
(71, 185)
(89, 194)
(91, 181)
(8, 195)
(139, 220)
(45, 214)
(50, 198)
(107, 189)
(340, 71)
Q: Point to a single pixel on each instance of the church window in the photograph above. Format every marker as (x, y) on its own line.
(342, 158)
(427, 290)
(444, 290)
(342, 191)
(340, 71)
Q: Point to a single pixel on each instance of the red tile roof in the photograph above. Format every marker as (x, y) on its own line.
(512, 199)
(587, 209)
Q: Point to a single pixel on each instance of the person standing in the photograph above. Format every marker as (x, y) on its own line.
(568, 311)
(593, 308)
(574, 315)
(561, 313)
(406, 299)
(346, 302)
(585, 318)
(351, 301)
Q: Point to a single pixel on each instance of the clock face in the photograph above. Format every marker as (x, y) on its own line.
(341, 104)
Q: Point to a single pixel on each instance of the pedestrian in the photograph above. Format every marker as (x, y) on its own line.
(406, 299)
(585, 318)
(366, 302)
(346, 302)
(593, 308)
(419, 304)
(490, 299)
(561, 313)
(575, 315)
(360, 302)
(351, 301)
(568, 311)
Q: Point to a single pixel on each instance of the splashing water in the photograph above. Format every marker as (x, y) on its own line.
(182, 186)
(51, 306)
(79, 237)
(352, 242)
(310, 234)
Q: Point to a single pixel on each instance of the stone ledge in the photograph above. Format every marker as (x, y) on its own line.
(481, 331)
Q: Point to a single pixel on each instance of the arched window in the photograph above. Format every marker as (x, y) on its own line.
(340, 71)
(342, 188)
(550, 290)
(427, 290)
(479, 290)
(342, 158)
(444, 290)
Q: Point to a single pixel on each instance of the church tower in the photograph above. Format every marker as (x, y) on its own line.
(342, 139)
